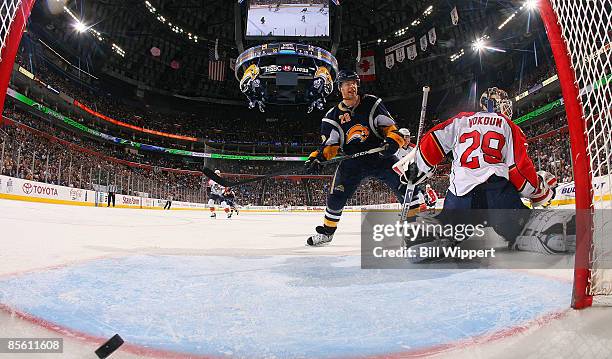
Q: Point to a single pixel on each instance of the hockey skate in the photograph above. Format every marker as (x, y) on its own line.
(213, 215)
(229, 214)
(320, 238)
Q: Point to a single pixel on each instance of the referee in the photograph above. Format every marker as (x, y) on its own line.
(168, 202)
(112, 189)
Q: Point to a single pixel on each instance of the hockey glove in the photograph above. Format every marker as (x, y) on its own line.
(391, 146)
(545, 191)
(411, 174)
(313, 166)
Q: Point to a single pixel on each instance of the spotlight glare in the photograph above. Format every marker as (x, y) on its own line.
(531, 4)
(80, 27)
(478, 45)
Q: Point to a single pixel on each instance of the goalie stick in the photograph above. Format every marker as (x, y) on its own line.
(225, 183)
(410, 187)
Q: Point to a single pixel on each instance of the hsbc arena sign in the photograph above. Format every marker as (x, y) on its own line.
(286, 73)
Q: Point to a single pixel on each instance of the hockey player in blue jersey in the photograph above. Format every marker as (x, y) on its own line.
(359, 123)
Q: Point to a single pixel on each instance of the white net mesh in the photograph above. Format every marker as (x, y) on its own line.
(587, 31)
(8, 9)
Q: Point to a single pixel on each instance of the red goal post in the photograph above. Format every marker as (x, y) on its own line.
(580, 38)
(13, 17)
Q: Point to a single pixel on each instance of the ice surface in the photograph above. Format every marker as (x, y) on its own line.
(247, 287)
(280, 306)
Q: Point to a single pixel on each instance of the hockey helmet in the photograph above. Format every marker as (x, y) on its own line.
(346, 75)
(217, 172)
(404, 131)
(496, 100)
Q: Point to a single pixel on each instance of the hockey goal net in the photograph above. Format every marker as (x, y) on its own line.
(13, 17)
(580, 35)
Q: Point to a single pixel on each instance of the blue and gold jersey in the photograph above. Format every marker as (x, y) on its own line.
(357, 129)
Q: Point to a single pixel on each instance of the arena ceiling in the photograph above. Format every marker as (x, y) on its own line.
(131, 25)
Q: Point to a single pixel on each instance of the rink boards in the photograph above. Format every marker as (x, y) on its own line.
(32, 191)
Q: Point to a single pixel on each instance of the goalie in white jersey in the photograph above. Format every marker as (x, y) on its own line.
(490, 166)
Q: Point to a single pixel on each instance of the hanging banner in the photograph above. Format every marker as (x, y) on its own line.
(424, 42)
(404, 43)
(411, 52)
(432, 36)
(400, 54)
(389, 61)
(366, 68)
(454, 16)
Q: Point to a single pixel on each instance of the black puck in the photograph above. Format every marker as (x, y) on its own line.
(109, 347)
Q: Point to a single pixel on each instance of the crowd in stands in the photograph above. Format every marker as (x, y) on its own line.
(284, 192)
(221, 125)
(37, 149)
(31, 155)
(531, 78)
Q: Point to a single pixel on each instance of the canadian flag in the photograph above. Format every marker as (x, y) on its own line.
(366, 68)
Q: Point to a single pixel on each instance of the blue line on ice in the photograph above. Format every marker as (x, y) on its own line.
(280, 306)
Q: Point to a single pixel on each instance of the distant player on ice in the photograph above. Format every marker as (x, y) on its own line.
(490, 168)
(230, 198)
(303, 18)
(263, 20)
(216, 197)
(359, 123)
(431, 197)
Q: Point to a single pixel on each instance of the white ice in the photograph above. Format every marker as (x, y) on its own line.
(37, 236)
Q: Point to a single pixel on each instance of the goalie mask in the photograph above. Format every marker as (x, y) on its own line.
(496, 100)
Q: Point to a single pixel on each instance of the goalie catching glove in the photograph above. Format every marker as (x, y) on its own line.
(545, 192)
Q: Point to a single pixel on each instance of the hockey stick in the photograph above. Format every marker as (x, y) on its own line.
(410, 187)
(225, 183)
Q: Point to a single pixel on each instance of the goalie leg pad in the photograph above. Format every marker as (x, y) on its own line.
(549, 231)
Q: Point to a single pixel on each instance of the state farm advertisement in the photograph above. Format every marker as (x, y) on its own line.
(130, 201)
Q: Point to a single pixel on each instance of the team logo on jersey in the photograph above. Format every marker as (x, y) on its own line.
(357, 133)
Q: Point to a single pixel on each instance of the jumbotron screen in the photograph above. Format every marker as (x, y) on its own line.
(286, 18)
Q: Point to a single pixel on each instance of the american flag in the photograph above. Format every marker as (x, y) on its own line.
(216, 68)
